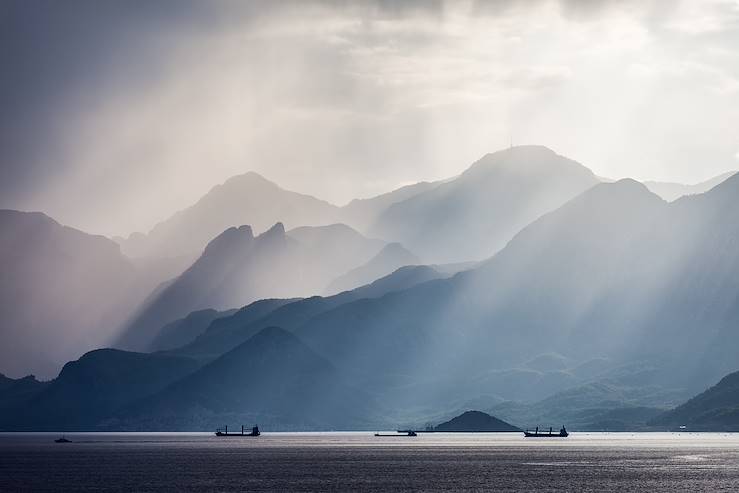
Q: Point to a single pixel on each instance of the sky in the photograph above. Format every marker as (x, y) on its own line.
(117, 114)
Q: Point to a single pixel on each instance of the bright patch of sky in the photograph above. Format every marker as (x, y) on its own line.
(354, 99)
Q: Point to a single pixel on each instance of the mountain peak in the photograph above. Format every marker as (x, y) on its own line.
(527, 149)
(276, 231)
(623, 188)
(37, 217)
(230, 237)
(248, 178)
(525, 160)
(629, 183)
(519, 152)
(616, 198)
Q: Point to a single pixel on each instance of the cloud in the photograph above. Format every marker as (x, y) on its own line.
(118, 115)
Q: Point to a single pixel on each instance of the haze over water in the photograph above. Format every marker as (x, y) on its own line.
(358, 461)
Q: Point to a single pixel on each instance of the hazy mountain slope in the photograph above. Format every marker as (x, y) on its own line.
(272, 379)
(227, 333)
(362, 213)
(537, 289)
(625, 397)
(243, 199)
(62, 292)
(388, 260)
(402, 278)
(475, 214)
(672, 191)
(237, 268)
(185, 330)
(219, 324)
(90, 389)
(716, 409)
(694, 269)
(616, 272)
(328, 252)
(192, 290)
(605, 412)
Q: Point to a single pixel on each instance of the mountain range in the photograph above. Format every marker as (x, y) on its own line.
(243, 199)
(467, 217)
(225, 333)
(472, 216)
(237, 268)
(672, 191)
(601, 304)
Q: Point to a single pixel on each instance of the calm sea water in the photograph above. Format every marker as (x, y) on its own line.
(361, 462)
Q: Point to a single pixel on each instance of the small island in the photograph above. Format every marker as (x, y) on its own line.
(474, 422)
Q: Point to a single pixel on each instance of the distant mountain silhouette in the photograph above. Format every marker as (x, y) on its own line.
(388, 260)
(716, 409)
(243, 199)
(272, 379)
(475, 214)
(672, 191)
(62, 292)
(237, 268)
(88, 391)
(16, 393)
(475, 421)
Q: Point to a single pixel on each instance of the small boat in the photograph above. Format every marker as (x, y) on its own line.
(62, 439)
(550, 434)
(223, 432)
(400, 433)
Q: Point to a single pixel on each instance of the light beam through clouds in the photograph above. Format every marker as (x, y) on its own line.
(125, 113)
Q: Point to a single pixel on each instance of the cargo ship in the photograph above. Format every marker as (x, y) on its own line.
(536, 433)
(223, 432)
(400, 433)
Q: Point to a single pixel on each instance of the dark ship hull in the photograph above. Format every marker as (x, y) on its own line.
(223, 432)
(546, 434)
(401, 433)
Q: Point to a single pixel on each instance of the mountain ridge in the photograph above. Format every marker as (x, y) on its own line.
(510, 188)
(50, 274)
(237, 268)
(717, 408)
